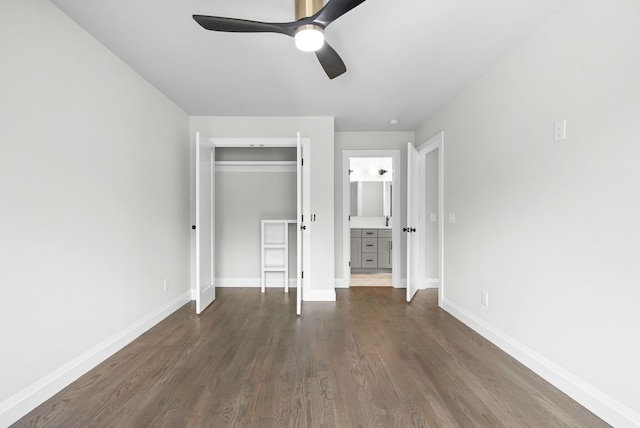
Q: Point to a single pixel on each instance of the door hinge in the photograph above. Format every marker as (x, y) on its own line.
(301, 162)
(349, 263)
(349, 218)
(302, 274)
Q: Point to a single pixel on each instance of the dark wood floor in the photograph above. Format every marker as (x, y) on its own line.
(368, 360)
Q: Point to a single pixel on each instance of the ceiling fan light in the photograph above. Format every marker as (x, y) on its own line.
(309, 38)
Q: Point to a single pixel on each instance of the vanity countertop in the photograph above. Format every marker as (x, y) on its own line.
(358, 222)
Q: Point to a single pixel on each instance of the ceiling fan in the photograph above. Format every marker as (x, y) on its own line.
(307, 30)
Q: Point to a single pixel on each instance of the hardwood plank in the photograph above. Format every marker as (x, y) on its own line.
(367, 360)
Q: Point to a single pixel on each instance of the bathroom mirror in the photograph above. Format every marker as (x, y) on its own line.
(371, 198)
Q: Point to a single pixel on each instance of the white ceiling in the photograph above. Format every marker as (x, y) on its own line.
(405, 58)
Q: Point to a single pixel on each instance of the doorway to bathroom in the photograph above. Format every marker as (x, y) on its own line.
(371, 217)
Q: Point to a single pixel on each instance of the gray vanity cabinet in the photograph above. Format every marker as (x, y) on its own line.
(371, 248)
(384, 248)
(356, 248)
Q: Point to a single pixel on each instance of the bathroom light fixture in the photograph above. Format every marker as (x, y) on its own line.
(309, 38)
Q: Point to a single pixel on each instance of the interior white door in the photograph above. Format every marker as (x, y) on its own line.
(205, 225)
(300, 228)
(303, 205)
(413, 210)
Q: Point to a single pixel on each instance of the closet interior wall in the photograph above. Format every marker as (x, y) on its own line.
(252, 184)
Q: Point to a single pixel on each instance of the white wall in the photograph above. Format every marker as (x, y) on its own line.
(369, 141)
(552, 229)
(94, 190)
(320, 130)
(242, 200)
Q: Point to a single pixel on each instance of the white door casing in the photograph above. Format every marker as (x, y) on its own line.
(435, 143)
(205, 224)
(395, 218)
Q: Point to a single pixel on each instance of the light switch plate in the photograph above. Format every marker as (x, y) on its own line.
(560, 132)
(484, 298)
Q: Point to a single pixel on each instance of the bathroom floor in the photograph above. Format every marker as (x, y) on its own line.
(371, 279)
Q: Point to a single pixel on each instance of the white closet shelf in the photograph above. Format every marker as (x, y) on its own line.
(256, 166)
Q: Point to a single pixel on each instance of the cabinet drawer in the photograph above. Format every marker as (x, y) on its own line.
(369, 233)
(369, 245)
(384, 233)
(356, 233)
(370, 260)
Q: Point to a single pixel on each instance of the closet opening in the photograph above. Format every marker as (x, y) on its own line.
(245, 186)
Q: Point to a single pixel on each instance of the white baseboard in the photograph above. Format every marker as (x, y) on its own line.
(307, 296)
(319, 296)
(402, 283)
(18, 405)
(340, 283)
(248, 282)
(602, 405)
(430, 283)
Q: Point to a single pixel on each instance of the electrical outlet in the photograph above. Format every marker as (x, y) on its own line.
(433, 218)
(166, 284)
(484, 298)
(452, 218)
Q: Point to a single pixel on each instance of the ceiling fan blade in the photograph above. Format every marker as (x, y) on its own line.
(330, 61)
(233, 25)
(333, 10)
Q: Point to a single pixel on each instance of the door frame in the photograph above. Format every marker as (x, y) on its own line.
(214, 142)
(396, 209)
(436, 142)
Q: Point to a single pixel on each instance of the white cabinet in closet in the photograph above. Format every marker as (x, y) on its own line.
(275, 253)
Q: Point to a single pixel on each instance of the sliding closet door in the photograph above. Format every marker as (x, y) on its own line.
(205, 225)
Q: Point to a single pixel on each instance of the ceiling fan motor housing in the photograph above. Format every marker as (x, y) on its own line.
(306, 8)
